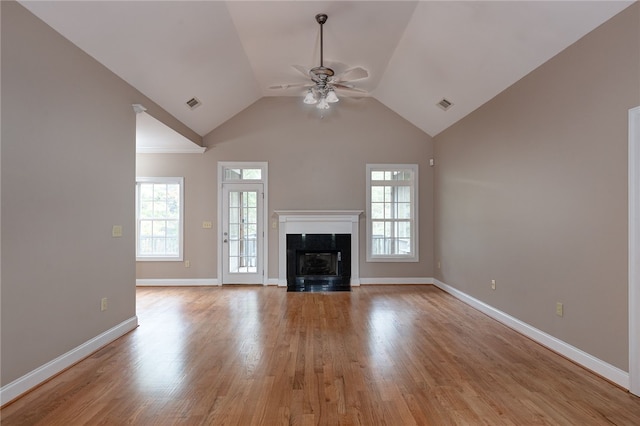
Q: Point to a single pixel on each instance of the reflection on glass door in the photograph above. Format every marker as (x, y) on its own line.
(242, 234)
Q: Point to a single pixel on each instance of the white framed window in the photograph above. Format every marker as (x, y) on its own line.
(392, 213)
(159, 218)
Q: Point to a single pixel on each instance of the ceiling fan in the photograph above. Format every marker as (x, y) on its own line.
(321, 90)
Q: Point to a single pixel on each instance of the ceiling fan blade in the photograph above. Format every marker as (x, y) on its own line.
(349, 88)
(353, 74)
(302, 70)
(288, 86)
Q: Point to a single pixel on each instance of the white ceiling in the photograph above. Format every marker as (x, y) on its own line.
(227, 54)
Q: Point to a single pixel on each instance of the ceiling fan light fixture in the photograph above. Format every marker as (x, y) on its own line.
(331, 96)
(323, 104)
(309, 98)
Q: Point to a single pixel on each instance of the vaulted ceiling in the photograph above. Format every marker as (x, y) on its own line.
(228, 53)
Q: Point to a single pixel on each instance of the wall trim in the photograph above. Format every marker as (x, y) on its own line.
(176, 282)
(634, 250)
(43, 373)
(397, 281)
(608, 371)
(194, 282)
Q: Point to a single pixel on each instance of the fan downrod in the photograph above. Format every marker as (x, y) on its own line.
(321, 72)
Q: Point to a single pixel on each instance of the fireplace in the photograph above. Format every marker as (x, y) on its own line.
(318, 250)
(318, 262)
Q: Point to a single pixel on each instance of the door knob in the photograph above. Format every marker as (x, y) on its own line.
(224, 241)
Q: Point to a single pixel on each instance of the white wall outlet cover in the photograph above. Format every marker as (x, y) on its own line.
(116, 231)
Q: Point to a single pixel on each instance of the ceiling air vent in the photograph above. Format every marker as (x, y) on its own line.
(194, 103)
(445, 104)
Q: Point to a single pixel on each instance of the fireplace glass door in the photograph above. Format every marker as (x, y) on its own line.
(242, 234)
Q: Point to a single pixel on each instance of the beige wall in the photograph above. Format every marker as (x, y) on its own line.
(200, 205)
(68, 171)
(531, 190)
(314, 163)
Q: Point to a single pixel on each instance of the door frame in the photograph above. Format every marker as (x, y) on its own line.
(634, 250)
(265, 211)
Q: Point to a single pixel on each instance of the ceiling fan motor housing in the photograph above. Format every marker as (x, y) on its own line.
(321, 71)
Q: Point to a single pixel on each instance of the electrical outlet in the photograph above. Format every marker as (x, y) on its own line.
(103, 304)
(559, 309)
(493, 284)
(187, 264)
(439, 265)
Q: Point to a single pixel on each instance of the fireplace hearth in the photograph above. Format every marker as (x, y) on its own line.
(318, 262)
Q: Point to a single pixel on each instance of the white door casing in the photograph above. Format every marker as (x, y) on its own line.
(634, 250)
(242, 238)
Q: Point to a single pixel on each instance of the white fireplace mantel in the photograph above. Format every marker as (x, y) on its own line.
(318, 222)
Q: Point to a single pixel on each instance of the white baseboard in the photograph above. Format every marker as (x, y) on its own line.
(608, 371)
(41, 374)
(177, 282)
(401, 281)
(187, 282)
(371, 281)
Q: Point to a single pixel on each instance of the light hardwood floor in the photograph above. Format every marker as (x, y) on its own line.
(395, 355)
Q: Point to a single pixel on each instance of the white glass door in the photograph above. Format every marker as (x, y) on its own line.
(242, 233)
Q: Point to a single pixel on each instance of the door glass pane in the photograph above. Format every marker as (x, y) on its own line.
(233, 199)
(252, 174)
(234, 231)
(233, 248)
(232, 174)
(242, 174)
(243, 228)
(234, 215)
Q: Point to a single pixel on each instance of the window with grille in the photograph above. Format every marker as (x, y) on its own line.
(159, 207)
(392, 212)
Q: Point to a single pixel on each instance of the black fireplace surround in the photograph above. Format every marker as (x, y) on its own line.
(318, 262)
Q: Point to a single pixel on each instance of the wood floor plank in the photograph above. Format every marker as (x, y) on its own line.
(379, 355)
